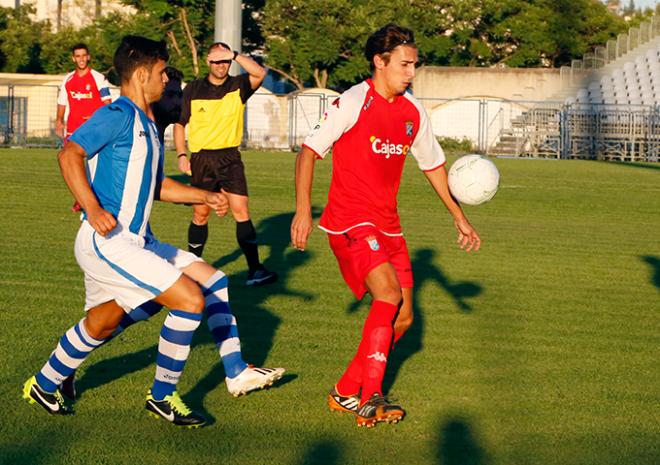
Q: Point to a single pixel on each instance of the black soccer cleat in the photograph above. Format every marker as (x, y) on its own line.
(378, 409)
(172, 409)
(260, 277)
(53, 402)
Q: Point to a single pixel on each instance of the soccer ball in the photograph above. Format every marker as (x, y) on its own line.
(473, 179)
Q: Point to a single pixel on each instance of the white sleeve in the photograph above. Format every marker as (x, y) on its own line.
(339, 117)
(62, 98)
(425, 147)
(102, 85)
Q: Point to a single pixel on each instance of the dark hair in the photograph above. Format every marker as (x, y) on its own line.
(136, 51)
(386, 39)
(173, 74)
(216, 44)
(79, 46)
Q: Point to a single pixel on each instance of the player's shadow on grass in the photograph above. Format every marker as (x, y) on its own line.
(323, 452)
(654, 263)
(38, 448)
(111, 369)
(411, 342)
(274, 234)
(648, 166)
(257, 325)
(457, 443)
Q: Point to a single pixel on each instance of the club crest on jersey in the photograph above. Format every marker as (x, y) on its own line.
(368, 104)
(409, 128)
(373, 243)
(88, 87)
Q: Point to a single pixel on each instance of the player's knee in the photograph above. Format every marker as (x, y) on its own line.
(101, 329)
(193, 302)
(391, 294)
(200, 218)
(102, 332)
(240, 215)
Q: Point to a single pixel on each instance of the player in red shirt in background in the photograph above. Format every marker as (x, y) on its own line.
(371, 128)
(83, 90)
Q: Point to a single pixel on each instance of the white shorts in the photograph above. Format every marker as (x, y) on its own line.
(125, 267)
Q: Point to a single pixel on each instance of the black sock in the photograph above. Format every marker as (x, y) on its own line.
(247, 241)
(197, 235)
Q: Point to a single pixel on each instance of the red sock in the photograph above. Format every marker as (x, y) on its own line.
(381, 315)
(351, 380)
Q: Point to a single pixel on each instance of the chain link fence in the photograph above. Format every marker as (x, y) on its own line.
(491, 126)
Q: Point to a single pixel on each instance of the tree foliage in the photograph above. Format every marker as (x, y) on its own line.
(186, 26)
(315, 42)
(320, 43)
(21, 40)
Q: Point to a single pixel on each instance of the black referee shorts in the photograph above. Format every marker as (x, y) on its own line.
(219, 169)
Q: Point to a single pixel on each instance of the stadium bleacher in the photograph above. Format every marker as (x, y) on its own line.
(609, 107)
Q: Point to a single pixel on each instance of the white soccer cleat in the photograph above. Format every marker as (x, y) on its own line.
(253, 378)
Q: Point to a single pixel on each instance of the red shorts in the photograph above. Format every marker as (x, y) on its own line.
(362, 249)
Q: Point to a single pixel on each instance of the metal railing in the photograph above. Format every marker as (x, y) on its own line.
(602, 132)
(493, 126)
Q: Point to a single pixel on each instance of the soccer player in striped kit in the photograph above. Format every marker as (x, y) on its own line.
(371, 128)
(125, 266)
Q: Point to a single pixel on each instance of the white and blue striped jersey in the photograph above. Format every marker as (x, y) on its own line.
(124, 162)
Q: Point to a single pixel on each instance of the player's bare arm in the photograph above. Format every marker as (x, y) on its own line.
(468, 238)
(301, 226)
(173, 191)
(59, 121)
(180, 143)
(72, 165)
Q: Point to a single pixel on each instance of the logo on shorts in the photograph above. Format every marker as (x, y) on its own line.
(373, 243)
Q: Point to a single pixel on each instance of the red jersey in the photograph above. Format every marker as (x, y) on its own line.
(84, 95)
(370, 138)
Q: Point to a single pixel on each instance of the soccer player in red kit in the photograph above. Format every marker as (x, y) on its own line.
(371, 128)
(84, 91)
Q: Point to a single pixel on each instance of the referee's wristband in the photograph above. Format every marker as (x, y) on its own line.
(182, 155)
(235, 55)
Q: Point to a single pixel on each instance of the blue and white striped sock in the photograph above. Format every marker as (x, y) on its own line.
(141, 313)
(73, 348)
(173, 350)
(222, 324)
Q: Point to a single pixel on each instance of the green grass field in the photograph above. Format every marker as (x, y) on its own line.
(542, 348)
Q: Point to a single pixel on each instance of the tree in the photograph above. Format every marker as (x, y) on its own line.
(314, 42)
(21, 40)
(630, 9)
